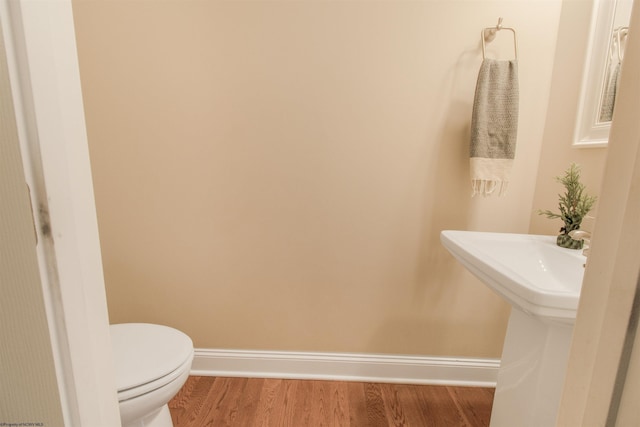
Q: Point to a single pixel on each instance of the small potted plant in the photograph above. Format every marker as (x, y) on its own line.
(574, 204)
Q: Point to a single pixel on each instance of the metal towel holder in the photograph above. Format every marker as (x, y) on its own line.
(619, 35)
(488, 34)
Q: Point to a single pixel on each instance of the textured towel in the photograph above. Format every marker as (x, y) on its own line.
(609, 95)
(494, 126)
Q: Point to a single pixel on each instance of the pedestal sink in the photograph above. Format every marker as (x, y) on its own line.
(542, 283)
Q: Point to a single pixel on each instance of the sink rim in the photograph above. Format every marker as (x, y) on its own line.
(559, 305)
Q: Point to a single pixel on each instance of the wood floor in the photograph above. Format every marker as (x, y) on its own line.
(217, 401)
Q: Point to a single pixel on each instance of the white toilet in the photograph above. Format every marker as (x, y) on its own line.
(152, 363)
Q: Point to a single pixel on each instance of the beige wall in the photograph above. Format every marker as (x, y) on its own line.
(275, 174)
(607, 314)
(557, 149)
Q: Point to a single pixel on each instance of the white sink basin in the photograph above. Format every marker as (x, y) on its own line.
(531, 272)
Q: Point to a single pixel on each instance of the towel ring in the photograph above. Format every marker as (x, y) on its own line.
(620, 34)
(492, 31)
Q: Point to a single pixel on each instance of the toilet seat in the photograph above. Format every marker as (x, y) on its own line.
(148, 357)
(154, 385)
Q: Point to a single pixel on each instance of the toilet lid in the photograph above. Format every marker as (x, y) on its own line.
(144, 353)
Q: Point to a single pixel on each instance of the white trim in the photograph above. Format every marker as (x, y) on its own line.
(589, 131)
(346, 366)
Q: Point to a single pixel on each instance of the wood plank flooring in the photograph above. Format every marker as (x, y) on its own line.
(240, 402)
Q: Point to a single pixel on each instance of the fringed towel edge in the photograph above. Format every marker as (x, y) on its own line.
(487, 175)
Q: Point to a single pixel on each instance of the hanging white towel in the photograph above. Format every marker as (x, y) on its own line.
(494, 126)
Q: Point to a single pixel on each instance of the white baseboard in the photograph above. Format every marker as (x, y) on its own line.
(346, 367)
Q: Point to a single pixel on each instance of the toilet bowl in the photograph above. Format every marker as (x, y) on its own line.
(152, 363)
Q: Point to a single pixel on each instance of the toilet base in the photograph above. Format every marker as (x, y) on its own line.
(159, 418)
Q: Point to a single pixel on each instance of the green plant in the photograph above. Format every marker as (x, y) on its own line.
(574, 204)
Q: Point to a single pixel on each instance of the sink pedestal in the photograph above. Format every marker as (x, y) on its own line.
(532, 370)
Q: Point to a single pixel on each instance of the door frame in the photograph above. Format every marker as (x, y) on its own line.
(45, 84)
